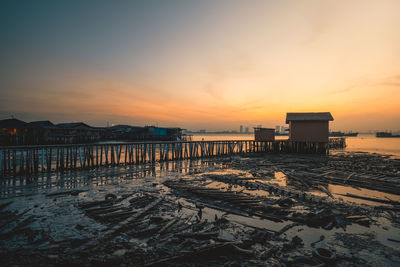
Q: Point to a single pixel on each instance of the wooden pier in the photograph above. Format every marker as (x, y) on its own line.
(26, 160)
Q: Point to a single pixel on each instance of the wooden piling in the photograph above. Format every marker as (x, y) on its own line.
(33, 159)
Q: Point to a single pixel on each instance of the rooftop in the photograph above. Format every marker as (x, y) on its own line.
(14, 123)
(46, 124)
(73, 125)
(309, 116)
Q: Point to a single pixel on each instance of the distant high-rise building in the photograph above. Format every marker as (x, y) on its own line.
(247, 130)
(282, 129)
(241, 128)
(277, 128)
(259, 126)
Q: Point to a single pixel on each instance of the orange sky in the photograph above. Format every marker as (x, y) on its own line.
(207, 65)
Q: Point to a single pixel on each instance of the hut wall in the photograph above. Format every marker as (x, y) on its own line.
(264, 134)
(309, 131)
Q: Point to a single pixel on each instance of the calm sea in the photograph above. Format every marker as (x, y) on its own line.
(361, 143)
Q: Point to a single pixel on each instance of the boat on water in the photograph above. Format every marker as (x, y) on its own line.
(340, 134)
(385, 134)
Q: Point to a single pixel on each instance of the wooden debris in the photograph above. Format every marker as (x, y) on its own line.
(371, 199)
(325, 190)
(63, 193)
(212, 251)
(169, 224)
(287, 227)
(348, 177)
(115, 230)
(5, 205)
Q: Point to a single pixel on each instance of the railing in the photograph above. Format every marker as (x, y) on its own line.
(23, 160)
(337, 142)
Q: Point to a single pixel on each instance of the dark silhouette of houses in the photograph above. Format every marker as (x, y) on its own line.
(79, 132)
(48, 133)
(309, 127)
(44, 124)
(165, 134)
(264, 134)
(17, 132)
(126, 133)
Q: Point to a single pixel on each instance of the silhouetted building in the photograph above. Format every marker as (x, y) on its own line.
(79, 132)
(126, 133)
(166, 134)
(48, 133)
(247, 130)
(264, 134)
(241, 128)
(17, 132)
(309, 127)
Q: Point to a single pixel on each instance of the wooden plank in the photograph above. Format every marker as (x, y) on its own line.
(116, 229)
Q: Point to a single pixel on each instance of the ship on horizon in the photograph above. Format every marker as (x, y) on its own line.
(341, 134)
(386, 134)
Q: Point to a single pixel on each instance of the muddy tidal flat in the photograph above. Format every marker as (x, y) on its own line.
(259, 210)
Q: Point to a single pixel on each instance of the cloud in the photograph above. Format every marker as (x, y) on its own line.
(391, 81)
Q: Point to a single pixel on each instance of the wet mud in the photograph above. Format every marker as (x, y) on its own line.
(269, 210)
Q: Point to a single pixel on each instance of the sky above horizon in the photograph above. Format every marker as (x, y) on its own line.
(201, 64)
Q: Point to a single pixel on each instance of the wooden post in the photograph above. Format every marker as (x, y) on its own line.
(1, 161)
(125, 154)
(14, 162)
(101, 155)
(80, 157)
(153, 153)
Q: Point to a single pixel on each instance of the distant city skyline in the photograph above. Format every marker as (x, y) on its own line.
(237, 129)
(201, 64)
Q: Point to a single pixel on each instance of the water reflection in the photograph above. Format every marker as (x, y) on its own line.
(362, 192)
(70, 180)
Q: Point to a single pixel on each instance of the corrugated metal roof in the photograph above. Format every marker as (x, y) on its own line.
(309, 116)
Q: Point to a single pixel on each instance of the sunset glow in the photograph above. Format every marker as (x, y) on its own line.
(205, 65)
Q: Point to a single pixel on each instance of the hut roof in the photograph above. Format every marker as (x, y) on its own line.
(73, 125)
(14, 123)
(309, 116)
(45, 124)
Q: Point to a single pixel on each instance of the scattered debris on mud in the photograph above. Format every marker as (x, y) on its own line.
(290, 210)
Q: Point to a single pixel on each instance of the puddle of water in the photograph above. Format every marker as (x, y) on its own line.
(280, 179)
(237, 173)
(310, 235)
(257, 222)
(362, 192)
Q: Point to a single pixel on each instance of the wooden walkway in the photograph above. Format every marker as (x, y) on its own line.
(25, 160)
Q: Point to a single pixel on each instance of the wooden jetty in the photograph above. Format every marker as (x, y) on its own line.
(26, 160)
